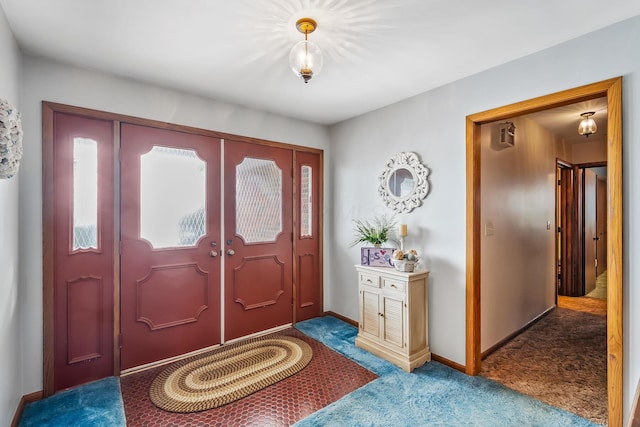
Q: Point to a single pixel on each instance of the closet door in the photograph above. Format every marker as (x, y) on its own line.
(170, 221)
(258, 238)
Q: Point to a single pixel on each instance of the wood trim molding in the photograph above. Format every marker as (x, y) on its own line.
(472, 366)
(511, 336)
(64, 108)
(24, 401)
(449, 363)
(612, 89)
(47, 249)
(614, 253)
(341, 317)
(434, 357)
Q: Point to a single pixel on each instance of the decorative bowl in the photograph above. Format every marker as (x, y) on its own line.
(404, 265)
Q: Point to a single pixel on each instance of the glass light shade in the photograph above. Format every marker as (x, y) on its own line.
(587, 127)
(305, 60)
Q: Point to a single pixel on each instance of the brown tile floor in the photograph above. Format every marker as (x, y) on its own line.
(328, 377)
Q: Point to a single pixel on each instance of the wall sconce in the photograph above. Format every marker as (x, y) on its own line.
(305, 58)
(587, 126)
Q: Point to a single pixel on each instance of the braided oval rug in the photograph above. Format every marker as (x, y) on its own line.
(228, 373)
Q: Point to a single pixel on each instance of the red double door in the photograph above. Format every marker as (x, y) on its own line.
(199, 230)
(187, 228)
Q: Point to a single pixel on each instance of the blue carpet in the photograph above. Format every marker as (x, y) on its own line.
(97, 404)
(433, 395)
(341, 337)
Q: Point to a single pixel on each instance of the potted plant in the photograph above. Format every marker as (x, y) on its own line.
(376, 233)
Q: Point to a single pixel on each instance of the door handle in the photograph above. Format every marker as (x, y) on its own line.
(213, 253)
(231, 252)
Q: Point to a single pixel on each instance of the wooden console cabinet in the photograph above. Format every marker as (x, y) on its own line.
(393, 315)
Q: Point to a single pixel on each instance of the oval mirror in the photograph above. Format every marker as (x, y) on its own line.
(403, 183)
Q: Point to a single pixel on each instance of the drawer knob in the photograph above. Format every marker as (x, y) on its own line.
(369, 281)
(380, 314)
(393, 286)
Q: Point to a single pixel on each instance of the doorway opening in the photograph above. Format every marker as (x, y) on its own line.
(582, 229)
(612, 90)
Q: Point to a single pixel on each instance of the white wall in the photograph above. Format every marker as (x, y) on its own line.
(51, 81)
(518, 249)
(10, 391)
(433, 125)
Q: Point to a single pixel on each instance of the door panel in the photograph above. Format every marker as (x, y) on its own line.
(601, 224)
(83, 250)
(170, 216)
(258, 238)
(590, 232)
(308, 277)
(569, 243)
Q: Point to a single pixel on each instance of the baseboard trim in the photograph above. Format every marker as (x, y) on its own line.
(169, 360)
(24, 401)
(449, 363)
(434, 357)
(341, 317)
(511, 336)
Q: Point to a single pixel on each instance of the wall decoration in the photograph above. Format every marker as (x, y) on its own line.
(10, 140)
(403, 183)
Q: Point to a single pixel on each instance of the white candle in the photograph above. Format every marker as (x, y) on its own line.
(403, 230)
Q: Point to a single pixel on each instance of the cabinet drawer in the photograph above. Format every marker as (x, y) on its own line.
(369, 279)
(394, 285)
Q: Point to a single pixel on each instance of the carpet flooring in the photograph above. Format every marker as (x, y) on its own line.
(560, 360)
(97, 404)
(433, 395)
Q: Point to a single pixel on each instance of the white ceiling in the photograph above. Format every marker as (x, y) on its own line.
(376, 52)
(563, 121)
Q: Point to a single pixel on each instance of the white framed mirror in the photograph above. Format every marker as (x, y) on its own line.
(403, 184)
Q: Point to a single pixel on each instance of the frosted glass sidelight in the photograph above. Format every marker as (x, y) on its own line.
(306, 202)
(85, 194)
(258, 200)
(172, 197)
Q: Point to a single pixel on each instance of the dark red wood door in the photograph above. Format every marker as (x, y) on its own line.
(83, 250)
(308, 266)
(258, 238)
(170, 221)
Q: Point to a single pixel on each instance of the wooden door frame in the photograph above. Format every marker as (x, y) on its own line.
(612, 89)
(48, 198)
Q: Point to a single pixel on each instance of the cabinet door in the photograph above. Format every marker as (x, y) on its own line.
(369, 312)
(393, 324)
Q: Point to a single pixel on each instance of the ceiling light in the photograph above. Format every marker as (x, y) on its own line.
(305, 57)
(587, 126)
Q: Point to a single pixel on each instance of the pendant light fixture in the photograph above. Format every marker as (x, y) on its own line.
(587, 126)
(305, 57)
